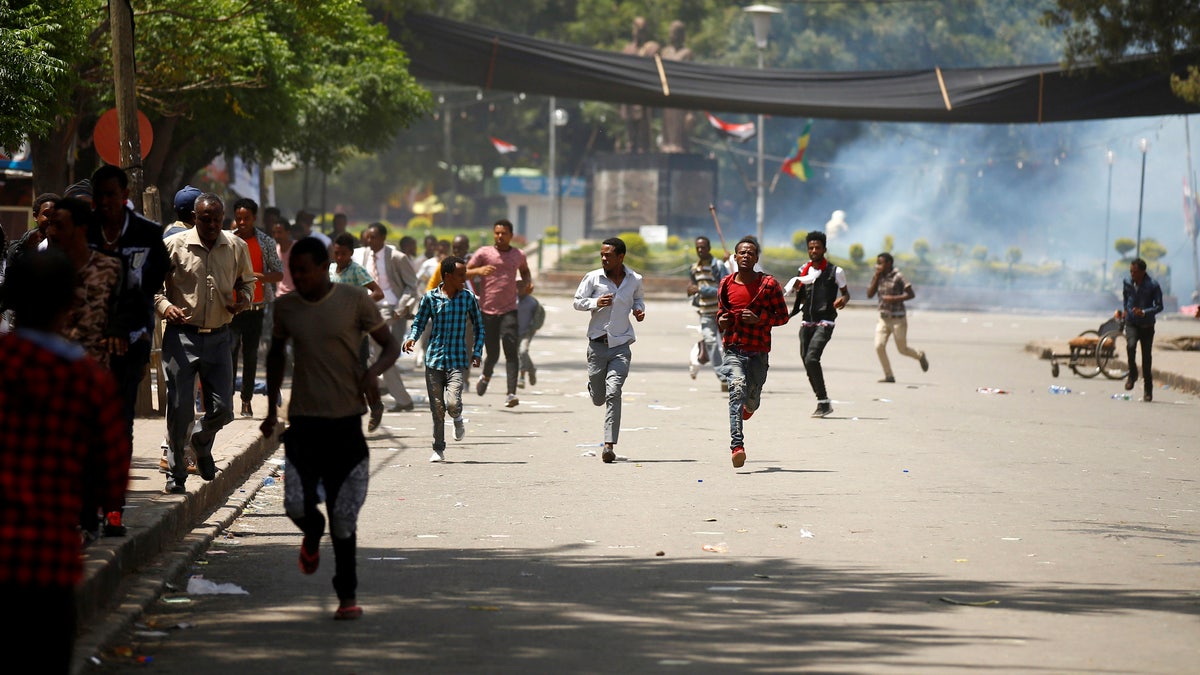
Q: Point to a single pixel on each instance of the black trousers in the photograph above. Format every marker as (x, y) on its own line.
(247, 329)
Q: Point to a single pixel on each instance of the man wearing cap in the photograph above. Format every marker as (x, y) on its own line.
(185, 211)
(211, 281)
(118, 229)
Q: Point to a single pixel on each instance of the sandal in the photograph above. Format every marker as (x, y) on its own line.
(309, 561)
(348, 613)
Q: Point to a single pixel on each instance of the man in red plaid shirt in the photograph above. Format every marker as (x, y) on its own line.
(64, 450)
(750, 303)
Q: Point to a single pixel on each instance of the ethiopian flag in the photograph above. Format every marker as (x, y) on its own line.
(796, 164)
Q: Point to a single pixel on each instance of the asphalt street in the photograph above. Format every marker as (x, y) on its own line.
(923, 527)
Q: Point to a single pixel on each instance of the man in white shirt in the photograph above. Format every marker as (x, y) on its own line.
(611, 294)
(392, 271)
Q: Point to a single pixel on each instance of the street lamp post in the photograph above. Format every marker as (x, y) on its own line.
(1143, 145)
(558, 118)
(1107, 218)
(761, 15)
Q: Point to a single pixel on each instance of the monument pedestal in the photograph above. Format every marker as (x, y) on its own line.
(626, 192)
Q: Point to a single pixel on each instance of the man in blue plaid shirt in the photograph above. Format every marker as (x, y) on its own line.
(449, 306)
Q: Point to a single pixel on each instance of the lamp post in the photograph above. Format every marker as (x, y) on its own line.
(1109, 157)
(761, 15)
(558, 118)
(1143, 145)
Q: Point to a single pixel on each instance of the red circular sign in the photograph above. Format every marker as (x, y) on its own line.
(107, 136)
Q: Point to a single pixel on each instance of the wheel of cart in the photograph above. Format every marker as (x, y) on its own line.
(1110, 350)
(1083, 354)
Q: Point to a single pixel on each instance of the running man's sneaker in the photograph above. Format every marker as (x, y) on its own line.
(481, 385)
(824, 409)
(747, 413)
(924, 363)
(438, 456)
(460, 429)
(739, 457)
(533, 377)
(512, 401)
(609, 455)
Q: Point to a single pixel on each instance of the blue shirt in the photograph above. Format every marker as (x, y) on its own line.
(447, 348)
(1147, 296)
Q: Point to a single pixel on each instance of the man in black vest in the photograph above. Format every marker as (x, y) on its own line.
(820, 292)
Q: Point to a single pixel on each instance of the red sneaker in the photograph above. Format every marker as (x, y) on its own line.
(309, 561)
(747, 413)
(739, 457)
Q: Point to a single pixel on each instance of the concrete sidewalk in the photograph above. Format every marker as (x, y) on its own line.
(163, 530)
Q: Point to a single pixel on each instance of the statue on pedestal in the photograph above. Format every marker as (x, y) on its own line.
(637, 117)
(676, 122)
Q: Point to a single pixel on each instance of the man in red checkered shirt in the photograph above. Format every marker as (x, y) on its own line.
(749, 304)
(64, 451)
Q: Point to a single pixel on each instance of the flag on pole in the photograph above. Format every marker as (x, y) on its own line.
(796, 165)
(502, 147)
(738, 132)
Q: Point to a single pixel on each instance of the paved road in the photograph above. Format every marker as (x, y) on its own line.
(1071, 519)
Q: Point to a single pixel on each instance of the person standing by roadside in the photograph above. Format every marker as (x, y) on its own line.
(324, 443)
(448, 307)
(211, 281)
(1143, 301)
(893, 290)
(391, 270)
(750, 303)
(502, 269)
(611, 294)
(139, 243)
(246, 328)
(65, 452)
(820, 292)
(705, 275)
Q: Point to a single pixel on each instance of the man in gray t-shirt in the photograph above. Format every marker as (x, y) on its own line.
(324, 442)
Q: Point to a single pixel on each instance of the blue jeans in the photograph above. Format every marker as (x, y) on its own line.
(711, 335)
(607, 369)
(747, 375)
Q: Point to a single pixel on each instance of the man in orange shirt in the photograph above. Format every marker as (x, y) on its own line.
(247, 327)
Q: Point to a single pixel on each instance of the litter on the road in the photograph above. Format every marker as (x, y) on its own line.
(805, 534)
(991, 390)
(716, 548)
(198, 585)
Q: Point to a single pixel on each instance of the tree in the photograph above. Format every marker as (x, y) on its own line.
(857, 254)
(889, 242)
(979, 254)
(249, 79)
(1106, 31)
(43, 47)
(800, 241)
(1152, 251)
(922, 248)
(1124, 245)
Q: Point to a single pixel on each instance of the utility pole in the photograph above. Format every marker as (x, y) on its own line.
(120, 16)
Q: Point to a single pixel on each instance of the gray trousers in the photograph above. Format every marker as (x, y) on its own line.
(607, 369)
(188, 354)
(391, 376)
(445, 388)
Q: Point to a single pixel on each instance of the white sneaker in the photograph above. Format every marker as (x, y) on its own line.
(438, 456)
(460, 429)
(512, 401)
(693, 369)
